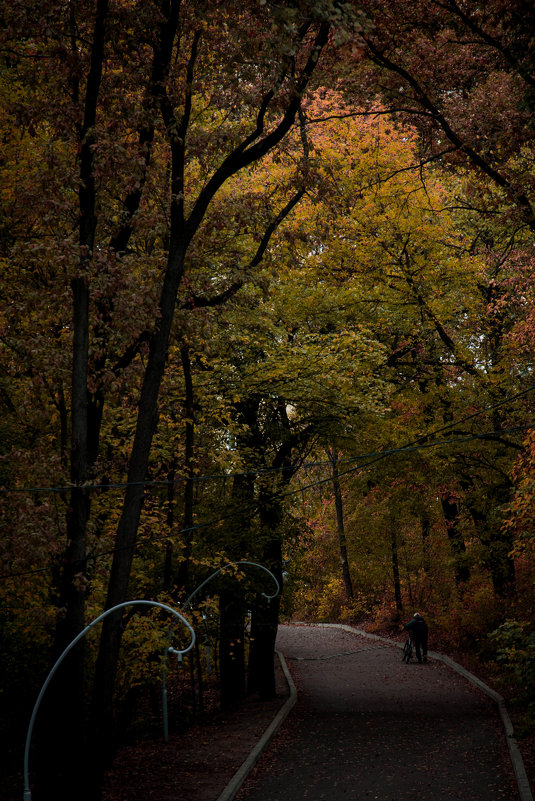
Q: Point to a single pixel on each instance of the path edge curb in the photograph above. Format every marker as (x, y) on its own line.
(241, 774)
(522, 780)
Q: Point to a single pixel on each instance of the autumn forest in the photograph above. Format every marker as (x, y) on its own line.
(267, 298)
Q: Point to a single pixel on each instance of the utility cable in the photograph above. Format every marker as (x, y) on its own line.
(265, 470)
(252, 507)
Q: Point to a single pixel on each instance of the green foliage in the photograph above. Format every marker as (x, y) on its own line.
(143, 646)
(514, 645)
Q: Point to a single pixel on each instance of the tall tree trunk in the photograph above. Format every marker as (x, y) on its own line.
(264, 625)
(189, 413)
(451, 510)
(342, 541)
(66, 697)
(265, 617)
(170, 523)
(232, 612)
(231, 648)
(498, 544)
(101, 720)
(395, 568)
(125, 542)
(425, 524)
(501, 565)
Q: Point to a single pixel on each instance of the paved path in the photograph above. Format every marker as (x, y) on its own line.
(367, 726)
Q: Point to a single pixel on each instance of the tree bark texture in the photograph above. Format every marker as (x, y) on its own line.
(395, 568)
(187, 525)
(342, 540)
(451, 510)
(231, 648)
(67, 691)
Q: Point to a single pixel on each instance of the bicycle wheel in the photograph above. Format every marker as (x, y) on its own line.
(407, 652)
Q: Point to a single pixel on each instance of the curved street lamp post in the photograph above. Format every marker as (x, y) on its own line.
(187, 603)
(27, 791)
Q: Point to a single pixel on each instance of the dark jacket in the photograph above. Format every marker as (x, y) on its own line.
(417, 626)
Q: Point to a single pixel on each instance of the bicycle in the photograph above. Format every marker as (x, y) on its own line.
(407, 650)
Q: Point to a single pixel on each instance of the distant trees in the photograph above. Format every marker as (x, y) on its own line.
(461, 77)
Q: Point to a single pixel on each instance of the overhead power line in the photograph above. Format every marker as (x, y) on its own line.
(271, 470)
(362, 462)
(357, 462)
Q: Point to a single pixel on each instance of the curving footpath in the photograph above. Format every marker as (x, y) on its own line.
(366, 726)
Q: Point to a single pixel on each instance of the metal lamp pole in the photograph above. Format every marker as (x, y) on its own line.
(187, 602)
(27, 791)
(234, 564)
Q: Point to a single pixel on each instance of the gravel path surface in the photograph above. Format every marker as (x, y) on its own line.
(367, 726)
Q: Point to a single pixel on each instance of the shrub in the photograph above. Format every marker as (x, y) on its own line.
(514, 645)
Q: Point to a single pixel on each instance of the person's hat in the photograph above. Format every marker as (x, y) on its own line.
(417, 614)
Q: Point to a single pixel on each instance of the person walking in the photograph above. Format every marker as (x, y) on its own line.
(419, 630)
